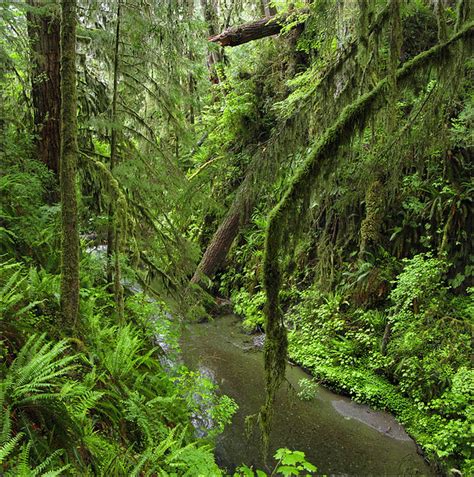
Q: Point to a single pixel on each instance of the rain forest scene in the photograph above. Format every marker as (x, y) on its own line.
(236, 238)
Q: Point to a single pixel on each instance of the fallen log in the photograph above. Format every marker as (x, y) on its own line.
(268, 26)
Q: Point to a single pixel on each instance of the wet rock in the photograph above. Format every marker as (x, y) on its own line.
(255, 343)
(259, 341)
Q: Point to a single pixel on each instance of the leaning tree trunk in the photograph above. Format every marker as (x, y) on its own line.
(69, 152)
(219, 246)
(44, 33)
(224, 237)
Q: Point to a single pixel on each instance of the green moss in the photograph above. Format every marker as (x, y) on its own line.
(119, 224)
(374, 214)
(285, 218)
(69, 222)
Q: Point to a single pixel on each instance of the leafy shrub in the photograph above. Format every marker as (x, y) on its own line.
(308, 389)
(288, 463)
(250, 307)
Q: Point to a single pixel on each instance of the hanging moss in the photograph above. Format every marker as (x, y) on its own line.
(463, 13)
(396, 40)
(286, 216)
(374, 214)
(363, 25)
(441, 19)
(119, 226)
(276, 343)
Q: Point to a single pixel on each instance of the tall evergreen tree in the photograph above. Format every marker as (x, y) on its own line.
(43, 33)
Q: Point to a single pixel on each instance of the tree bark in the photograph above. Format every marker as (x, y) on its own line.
(114, 231)
(370, 229)
(267, 8)
(386, 338)
(69, 152)
(209, 10)
(223, 238)
(44, 33)
(255, 30)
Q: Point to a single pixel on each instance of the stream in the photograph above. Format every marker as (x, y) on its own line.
(339, 436)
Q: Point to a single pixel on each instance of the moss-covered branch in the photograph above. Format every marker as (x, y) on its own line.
(288, 213)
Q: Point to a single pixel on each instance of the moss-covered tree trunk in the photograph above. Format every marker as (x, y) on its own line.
(114, 232)
(44, 33)
(374, 214)
(219, 246)
(69, 220)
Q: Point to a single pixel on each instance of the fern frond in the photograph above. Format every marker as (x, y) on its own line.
(8, 446)
(47, 462)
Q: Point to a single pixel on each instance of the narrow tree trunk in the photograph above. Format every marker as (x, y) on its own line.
(192, 82)
(209, 9)
(114, 230)
(444, 246)
(374, 214)
(267, 8)
(69, 151)
(386, 338)
(44, 34)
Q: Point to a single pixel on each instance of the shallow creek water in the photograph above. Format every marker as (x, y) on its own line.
(339, 436)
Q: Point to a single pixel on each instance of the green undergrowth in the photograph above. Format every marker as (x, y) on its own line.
(109, 397)
(437, 435)
(107, 401)
(411, 358)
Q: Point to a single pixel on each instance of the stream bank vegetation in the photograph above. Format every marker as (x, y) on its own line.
(154, 155)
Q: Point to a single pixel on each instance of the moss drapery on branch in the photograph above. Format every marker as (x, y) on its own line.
(69, 150)
(287, 214)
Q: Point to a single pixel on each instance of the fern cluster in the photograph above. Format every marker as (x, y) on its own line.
(99, 403)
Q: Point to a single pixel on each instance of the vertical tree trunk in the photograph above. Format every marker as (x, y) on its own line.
(267, 9)
(209, 9)
(192, 82)
(44, 33)
(370, 229)
(386, 338)
(114, 231)
(69, 222)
